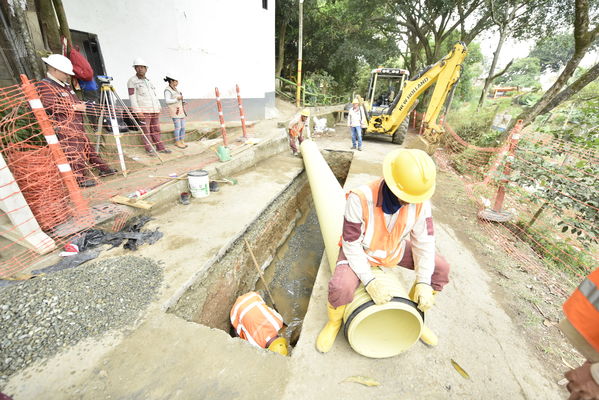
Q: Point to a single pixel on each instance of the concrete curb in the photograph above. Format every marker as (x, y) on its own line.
(245, 159)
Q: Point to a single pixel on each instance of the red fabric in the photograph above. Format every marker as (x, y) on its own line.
(81, 67)
(430, 228)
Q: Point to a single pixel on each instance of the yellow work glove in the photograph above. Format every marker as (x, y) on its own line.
(379, 291)
(423, 295)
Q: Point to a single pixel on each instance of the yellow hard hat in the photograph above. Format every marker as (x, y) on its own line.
(305, 112)
(410, 174)
(279, 345)
(356, 101)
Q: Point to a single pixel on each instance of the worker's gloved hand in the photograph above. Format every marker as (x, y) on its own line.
(379, 291)
(581, 384)
(423, 295)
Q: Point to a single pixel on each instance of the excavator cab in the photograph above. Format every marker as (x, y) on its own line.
(385, 84)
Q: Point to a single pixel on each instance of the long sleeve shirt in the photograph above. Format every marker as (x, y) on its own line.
(421, 237)
(142, 95)
(355, 117)
(300, 126)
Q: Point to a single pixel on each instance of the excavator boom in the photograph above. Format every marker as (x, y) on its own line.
(444, 74)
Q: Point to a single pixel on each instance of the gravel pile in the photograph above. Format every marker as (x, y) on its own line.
(40, 316)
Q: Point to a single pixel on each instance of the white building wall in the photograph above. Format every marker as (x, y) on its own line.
(206, 44)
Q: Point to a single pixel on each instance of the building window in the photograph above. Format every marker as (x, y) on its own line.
(265, 4)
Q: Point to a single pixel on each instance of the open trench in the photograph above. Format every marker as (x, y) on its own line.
(288, 247)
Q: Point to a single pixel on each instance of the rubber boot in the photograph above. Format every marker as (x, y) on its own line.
(327, 335)
(426, 335)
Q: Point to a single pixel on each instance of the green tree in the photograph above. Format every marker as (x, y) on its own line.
(524, 72)
(583, 18)
(553, 52)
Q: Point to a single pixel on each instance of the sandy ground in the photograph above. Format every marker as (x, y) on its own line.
(161, 356)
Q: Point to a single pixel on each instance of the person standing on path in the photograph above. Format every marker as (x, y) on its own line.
(66, 113)
(388, 223)
(257, 323)
(581, 327)
(174, 101)
(146, 105)
(298, 125)
(355, 121)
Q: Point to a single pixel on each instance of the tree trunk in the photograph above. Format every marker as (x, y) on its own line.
(574, 88)
(49, 25)
(281, 52)
(583, 39)
(64, 25)
(528, 116)
(490, 77)
(23, 29)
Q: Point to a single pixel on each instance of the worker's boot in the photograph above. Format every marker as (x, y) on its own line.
(327, 335)
(426, 335)
(180, 144)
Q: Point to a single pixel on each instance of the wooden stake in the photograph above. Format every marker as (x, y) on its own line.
(272, 300)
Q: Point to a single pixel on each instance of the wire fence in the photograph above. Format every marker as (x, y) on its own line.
(61, 164)
(542, 189)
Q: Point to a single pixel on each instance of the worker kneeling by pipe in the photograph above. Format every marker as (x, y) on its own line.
(387, 223)
(257, 323)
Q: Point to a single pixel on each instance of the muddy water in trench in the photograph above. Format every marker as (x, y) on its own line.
(291, 275)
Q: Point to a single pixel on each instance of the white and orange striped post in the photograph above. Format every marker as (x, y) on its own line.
(58, 156)
(221, 117)
(241, 113)
(422, 123)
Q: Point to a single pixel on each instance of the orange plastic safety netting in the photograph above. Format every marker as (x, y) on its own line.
(548, 188)
(57, 175)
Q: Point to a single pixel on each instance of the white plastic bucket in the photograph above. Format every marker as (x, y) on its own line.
(199, 185)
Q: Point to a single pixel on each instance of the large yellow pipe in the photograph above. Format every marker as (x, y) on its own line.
(329, 199)
(375, 331)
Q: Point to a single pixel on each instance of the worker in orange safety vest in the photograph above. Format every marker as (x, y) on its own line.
(581, 327)
(388, 223)
(298, 126)
(257, 323)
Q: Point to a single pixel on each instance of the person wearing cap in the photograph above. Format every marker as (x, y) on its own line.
(66, 113)
(581, 327)
(174, 101)
(145, 104)
(296, 128)
(355, 121)
(387, 223)
(257, 323)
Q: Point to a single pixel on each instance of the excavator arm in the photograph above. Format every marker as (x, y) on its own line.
(445, 73)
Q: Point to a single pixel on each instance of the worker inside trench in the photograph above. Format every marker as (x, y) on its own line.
(286, 242)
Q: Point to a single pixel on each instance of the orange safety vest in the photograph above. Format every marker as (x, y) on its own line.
(381, 246)
(254, 321)
(297, 129)
(582, 309)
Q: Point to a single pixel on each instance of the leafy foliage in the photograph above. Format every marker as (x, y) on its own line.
(525, 72)
(553, 52)
(18, 124)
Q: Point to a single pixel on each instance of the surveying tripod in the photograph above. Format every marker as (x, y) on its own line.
(108, 97)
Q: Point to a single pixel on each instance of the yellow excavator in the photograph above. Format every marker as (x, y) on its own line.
(391, 97)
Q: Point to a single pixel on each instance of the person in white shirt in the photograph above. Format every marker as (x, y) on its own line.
(174, 101)
(145, 104)
(355, 121)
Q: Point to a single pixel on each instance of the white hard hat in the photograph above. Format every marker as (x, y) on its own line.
(59, 62)
(170, 75)
(139, 61)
